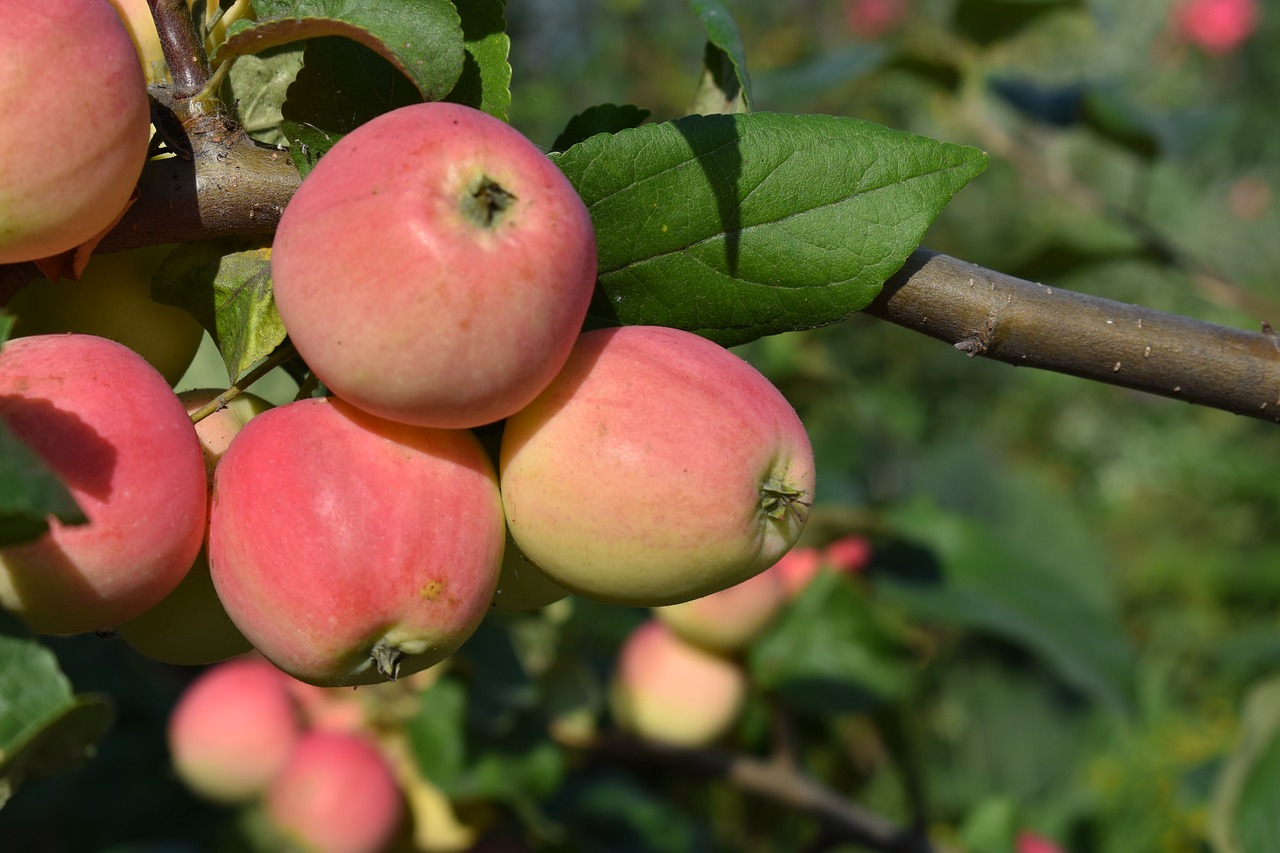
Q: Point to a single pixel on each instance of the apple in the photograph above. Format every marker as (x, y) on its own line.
(435, 267)
(850, 553)
(76, 124)
(726, 621)
(667, 690)
(335, 794)
(797, 568)
(657, 467)
(112, 299)
(232, 730)
(350, 549)
(1217, 27)
(115, 433)
(190, 626)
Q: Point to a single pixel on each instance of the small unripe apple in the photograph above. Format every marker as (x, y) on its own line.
(671, 691)
(117, 436)
(350, 549)
(435, 267)
(657, 467)
(726, 621)
(190, 626)
(112, 299)
(232, 730)
(336, 794)
(76, 124)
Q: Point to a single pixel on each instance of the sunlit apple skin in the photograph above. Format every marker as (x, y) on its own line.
(76, 124)
(349, 549)
(667, 690)
(726, 621)
(190, 627)
(435, 267)
(112, 299)
(656, 468)
(115, 433)
(336, 794)
(232, 730)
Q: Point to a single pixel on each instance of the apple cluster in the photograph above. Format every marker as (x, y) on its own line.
(434, 272)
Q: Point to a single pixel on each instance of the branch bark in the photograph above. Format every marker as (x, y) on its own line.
(984, 312)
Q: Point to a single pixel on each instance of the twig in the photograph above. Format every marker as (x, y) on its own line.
(279, 356)
(1085, 336)
(776, 781)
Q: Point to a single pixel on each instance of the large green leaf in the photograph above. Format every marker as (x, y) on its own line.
(741, 226)
(44, 728)
(486, 75)
(947, 568)
(421, 38)
(1244, 817)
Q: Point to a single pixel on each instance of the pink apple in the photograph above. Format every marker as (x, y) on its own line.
(435, 267)
(115, 433)
(232, 730)
(1216, 26)
(797, 568)
(726, 621)
(349, 549)
(656, 468)
(336, 794)
(76, 124)
(190, 626)
(668, 690)
(849, 553)
(1029, 842)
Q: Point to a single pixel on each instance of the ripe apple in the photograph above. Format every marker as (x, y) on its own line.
(115, 433)
(232, 729)
(112, 299)
(335, 794)
(671, 691)
(349, 549)
(76, 124)
(190, 626)
(850, 553)
(797, 568)
(726, 621)
(656, 468)
(435, 267)
(1217, 27)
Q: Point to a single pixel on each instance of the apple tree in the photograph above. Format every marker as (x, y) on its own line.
(626, 425)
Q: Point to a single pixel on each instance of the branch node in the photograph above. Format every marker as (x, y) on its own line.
(978, 342)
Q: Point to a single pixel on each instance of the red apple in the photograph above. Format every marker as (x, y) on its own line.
(336, 794)
(656, 468)
(851, 553)
(349, 549)
(797, 568)
(190, 626)
(668, 690)
(232, 730)
(115, 433)
(76, 124)
(726, 621)
(435, 267)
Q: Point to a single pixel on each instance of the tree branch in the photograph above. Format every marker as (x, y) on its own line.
(983, 312)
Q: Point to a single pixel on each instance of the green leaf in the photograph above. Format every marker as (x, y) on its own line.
(226, 285)
(437, 733)
(1243, 817)
(43, 727)
(421, 38)
(340, 87)
(29, 493)
(603, 118)
(258, 86)
(736, 227)
(485, 82)
(949, 569)
(829, 653)
(724, 86)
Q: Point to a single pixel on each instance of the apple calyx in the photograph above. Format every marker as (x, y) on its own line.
(487, 202)
(386, 658)
(778, 500)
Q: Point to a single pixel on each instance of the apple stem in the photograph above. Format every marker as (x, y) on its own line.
(279, 356)
(386, 658)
